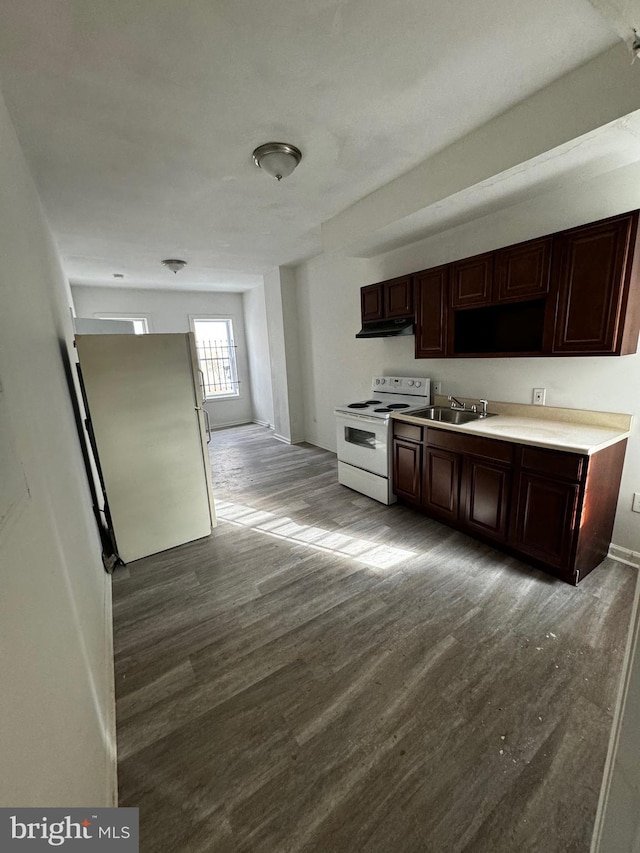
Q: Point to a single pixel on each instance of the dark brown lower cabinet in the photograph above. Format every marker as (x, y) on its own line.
(487, 488)
(407, 466)
(553, 508)
(441, 483)
(545, 519)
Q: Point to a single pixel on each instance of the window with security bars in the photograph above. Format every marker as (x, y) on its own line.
(216, 357)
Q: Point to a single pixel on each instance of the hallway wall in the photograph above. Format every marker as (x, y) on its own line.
(57, 714)
(169, 311)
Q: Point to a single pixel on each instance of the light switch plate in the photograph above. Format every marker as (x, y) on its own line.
(635, 506)
(539, 395)
(436, 386)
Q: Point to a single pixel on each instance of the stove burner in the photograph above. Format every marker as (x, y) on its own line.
(357, 405)
(398, 405)
(374, 402)
(385, 409)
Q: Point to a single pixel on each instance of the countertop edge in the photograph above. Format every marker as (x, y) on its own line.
(482, 428)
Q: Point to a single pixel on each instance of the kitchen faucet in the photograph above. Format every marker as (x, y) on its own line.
(456, 404)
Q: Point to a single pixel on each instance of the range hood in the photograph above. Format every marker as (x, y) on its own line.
(387, 328)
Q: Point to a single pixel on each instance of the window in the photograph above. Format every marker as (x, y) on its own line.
(140, 324)
(216, 356)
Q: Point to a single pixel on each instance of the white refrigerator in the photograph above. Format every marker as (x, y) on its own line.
(147, 427)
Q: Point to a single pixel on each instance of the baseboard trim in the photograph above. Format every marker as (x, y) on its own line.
(215, 427)
(282, 438)
(624, 555)
(321, 446)
(262, 423)
(300, 441)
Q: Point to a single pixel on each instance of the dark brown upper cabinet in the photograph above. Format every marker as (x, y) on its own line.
(471, 281)
(573, 293)
(595, 270)
(372, 303)
(512, 274)
(523, 271)
(431, 289)
(398, 297)
(388, 300)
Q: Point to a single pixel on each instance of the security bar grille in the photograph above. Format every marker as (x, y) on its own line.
(217, 361)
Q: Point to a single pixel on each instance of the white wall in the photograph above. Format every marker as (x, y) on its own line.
(168, 311)
(291, 331)
(336, 367)
(57, 746)
(280, 288)
(278, 359)
(620, 828)
(255, 318)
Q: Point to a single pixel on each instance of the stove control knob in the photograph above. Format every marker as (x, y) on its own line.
(410, 383)
(380, 381)
(418, 384)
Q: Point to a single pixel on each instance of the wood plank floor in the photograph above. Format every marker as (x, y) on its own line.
(295, 683)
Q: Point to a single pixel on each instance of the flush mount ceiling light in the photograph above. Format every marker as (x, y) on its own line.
(277, 159)
(174, 264)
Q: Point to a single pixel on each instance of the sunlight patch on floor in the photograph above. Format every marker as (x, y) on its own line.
(363, 550)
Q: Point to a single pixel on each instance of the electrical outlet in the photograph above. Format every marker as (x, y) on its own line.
(635, 506)
(436, 386)
(539, 395)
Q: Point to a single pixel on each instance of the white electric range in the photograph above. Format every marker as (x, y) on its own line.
(364, 433)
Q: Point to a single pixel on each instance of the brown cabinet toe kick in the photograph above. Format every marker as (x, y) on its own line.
(550, 508)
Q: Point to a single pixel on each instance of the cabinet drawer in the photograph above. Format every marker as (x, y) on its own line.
(474, 445)
(413, 432)
(555, 463)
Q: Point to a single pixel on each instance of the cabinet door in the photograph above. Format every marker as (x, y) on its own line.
(546, 519)
(487, 491)
(371, 302)
(441, 483)
(589, 269)
(398, 297)
(406, 469)
(431, 294)
(471, 281)
(523, 271)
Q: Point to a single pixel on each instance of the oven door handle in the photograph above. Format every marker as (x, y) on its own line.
(364, 418)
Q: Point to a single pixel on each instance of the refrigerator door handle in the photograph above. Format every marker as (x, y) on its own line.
(202, 384)
(206, 414)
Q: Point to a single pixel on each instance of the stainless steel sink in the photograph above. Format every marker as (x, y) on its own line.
(446, 415)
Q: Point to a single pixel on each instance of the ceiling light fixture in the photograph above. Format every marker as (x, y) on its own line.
(277, 159)
(174, 264)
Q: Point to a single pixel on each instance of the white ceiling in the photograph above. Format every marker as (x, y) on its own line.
(139, 118)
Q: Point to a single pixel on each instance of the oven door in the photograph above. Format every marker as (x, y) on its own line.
(363, 442)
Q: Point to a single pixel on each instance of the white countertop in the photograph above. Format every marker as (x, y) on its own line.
(581, 435)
